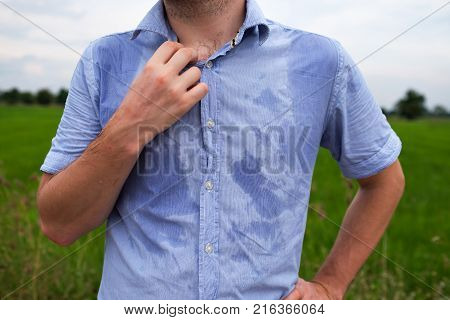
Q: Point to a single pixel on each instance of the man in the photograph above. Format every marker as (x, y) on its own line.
(195, 136)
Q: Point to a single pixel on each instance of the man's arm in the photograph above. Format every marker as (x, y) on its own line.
(364, 223)
(80, 197)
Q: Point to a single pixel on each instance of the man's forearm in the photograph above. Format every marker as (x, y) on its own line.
(79, 198)
(364, 223)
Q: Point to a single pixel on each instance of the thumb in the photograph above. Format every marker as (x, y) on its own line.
(297, 292)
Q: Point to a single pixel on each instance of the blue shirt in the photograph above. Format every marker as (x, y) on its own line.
(216, 205)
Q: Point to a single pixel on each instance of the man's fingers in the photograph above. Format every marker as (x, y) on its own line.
(196, 94)
(181, 59)
(296, 293)
(165, 52)
(190, 77)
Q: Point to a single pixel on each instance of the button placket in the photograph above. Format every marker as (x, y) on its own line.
(208, 237)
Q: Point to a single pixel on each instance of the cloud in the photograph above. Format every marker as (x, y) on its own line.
(32, 72)
(33, 69)
(68, 8)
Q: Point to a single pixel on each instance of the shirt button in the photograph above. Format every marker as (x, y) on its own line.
(209, 64)
(211, 124)
(209, 185)
(209, 248)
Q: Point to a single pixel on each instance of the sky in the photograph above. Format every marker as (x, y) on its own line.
(420, 59)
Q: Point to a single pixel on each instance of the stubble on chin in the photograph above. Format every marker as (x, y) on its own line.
(190, 9)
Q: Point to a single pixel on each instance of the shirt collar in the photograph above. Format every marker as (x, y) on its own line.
(156, 21)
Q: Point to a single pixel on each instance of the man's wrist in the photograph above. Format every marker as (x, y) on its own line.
(334, 288)
(123, 131)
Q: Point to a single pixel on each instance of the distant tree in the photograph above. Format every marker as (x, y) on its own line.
(412, 106)
(61, 97)
(385, 111)
(27, 97)
(10, 96)
(44, 97)
(440, 111)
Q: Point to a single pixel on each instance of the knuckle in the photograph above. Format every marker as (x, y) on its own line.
(150, 68)
(161, 79)
(174, 91)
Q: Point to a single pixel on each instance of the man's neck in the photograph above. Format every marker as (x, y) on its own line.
(205, 25)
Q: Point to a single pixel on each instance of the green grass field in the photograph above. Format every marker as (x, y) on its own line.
(416, 243)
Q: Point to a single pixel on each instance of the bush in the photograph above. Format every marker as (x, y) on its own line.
(412, 106)
(44, 97)
(61, 97)
(11, 96)
(27, 98)
(440, 111)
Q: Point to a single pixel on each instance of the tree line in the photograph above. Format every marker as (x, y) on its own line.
(43, 97)
(411, 106)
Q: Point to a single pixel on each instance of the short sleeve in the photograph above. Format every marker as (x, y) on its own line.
(356, 131)
(80, 123)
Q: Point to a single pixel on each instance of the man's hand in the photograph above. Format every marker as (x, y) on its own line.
(79, 198)
(160, 95)
(313, 290)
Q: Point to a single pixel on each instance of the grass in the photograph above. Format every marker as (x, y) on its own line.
(417, 240)
(25, 138)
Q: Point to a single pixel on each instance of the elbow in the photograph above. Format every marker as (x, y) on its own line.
(52, 230)
(56, 235)
(50, 227)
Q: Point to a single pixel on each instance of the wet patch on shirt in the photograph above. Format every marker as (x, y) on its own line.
(246, 244)
(267, 99)
(247, 174)
(261, 233)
